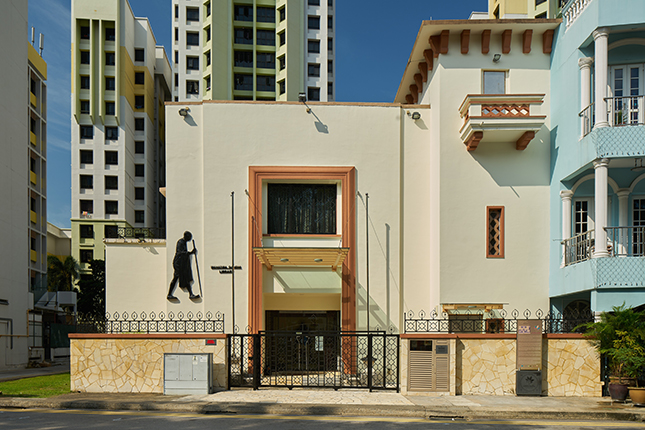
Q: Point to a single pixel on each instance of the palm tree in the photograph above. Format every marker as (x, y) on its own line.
(61, 274)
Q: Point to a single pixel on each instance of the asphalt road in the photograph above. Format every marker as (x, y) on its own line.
(75, 419)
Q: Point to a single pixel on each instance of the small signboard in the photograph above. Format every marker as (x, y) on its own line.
(529, 345)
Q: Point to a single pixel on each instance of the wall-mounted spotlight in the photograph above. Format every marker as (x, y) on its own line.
(184, 111)
(302, 97)
(414, 115)
(496, 58)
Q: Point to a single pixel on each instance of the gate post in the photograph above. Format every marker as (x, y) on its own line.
(369, 361)
(256, 361)
(228, 361)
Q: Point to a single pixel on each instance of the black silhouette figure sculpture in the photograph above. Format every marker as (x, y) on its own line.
(181, 266)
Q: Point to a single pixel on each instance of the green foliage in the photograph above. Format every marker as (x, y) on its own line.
(91, 297)
(40, 386)
(61, 274)
(620, 335)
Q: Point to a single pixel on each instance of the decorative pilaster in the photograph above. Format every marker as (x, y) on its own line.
(601, 37)
(565, 196)
(585, 92)
(600, 196)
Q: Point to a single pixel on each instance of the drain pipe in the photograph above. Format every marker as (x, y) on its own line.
(367, 252)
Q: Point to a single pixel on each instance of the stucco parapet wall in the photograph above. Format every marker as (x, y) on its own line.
(614, 142)
(134, 241)
(147, 336)
(270, 102)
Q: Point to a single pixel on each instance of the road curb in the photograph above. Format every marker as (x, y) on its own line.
(403, 411)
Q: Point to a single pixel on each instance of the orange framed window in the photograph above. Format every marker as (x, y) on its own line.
(495, 231)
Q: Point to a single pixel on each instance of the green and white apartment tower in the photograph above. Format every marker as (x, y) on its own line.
(253, 49)
(120, 81)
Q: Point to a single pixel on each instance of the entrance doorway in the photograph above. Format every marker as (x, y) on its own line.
(302, 321)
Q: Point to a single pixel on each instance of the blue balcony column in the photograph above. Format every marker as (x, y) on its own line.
(565, 196)
(601, 37)
(585, 93)
(600, 175)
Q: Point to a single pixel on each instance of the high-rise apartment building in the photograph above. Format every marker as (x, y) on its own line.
(23, 217)
(521, 9)
(253, 49)
(120, 81)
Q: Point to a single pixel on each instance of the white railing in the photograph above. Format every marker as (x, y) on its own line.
(578, 248)
(573, 10)
(587, 116)
(627, 110)
(626, 241)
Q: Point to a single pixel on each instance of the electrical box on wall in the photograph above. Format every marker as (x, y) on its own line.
(188, 373)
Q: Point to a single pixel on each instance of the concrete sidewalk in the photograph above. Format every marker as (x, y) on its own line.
(347, 403)
(56, 367)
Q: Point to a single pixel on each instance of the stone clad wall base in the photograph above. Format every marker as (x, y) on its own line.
(485, 364)
(114, 365)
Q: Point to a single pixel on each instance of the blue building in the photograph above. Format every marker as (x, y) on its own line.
(597, 198)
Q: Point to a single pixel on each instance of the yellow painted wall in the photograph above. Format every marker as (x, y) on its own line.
(301, 302)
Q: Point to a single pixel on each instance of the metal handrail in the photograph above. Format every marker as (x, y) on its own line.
(578, 248)
(625, 110)
(626, 241)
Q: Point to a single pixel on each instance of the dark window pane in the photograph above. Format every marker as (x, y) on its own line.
(302, 209)
(139, 147)
(243, 13)
(243, 82)
(109, 84)
(87, 231)
(109, 108)
(244, 36)
(139, 102)
(330, 45)
(139, 170)
(86, 255)
(283, 86)
(192, 38)
(112, 157)
(282, 61)
(111, 133)
(265, 83)
(139, 193)
(85, 57)
(243, 58)
(140, 78)
(192, 87)
(85, 106)
(283, 13)
(314, 70)
(266, 37)
(87, 156)
(139, 216)
(110, 59)
(266, 14)
(313, 2)
(87, 132)
(111, 207)
(192, 63)
(85, 32)
(87, 206)
(266, 60)
(139, 124)
(87, 182)
(283, 38)
(313, 94)
(110, 34)
(313, 22)
(111, 182)
(85, 82)
(313, 46)
(192, 14)
(111, 232)
(139, 54)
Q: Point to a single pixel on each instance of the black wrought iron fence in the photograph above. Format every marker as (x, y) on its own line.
(497, 321)
(152, 323)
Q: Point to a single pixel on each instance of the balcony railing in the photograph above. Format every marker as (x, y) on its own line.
(626, 241)
(578, 248)
(587, 116)
(627, 110)
(572, 10)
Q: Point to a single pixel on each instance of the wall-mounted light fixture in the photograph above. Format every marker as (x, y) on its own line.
(302, 97)
(184, 111)
(414, 115)
(496, 58)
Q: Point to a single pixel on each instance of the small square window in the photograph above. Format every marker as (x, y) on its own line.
(111, 207)
(139, 170)
(139, 217)
(87, 156)
(111, 232)
(85, 57)
(111, 182)
(139, 78)
(139, 54)
(85, 106)
(87, 231)
(314, 70)
(282, 62)
(85, 32)
(109, 83)
(139, 124)
(87, 132)
(265, 14)
(87, 206)
(139, 102)
(192, 63)
(110, 34)
(192, 87)
(139, 193)
(313, 46)
(192, 38)
(192, 14)
(87, 182)
(110, 59)
(139, 146)
(85, 82)
(112, 158)
(494, 82)
(86, 255)
(313, 94)
(313, 22)
(283, 38)
(283, 86)
(109, 108)
(111, 133)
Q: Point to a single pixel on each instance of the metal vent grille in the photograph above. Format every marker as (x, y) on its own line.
(420, 371)
(429, 366)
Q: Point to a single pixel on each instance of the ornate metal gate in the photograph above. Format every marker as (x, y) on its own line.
(314, 359)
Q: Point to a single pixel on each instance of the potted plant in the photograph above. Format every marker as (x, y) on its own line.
(620, 335)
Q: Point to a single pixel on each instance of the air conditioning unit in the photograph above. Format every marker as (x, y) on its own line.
(528, 382)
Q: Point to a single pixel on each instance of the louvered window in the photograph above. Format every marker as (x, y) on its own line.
(495, 236)
(302, 208)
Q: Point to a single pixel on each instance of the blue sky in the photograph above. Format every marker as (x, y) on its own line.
(373, 42)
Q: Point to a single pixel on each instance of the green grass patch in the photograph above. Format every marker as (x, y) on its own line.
(39, 386)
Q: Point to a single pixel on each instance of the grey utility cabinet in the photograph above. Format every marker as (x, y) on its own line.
(188, 373)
